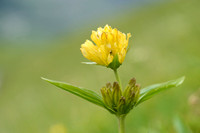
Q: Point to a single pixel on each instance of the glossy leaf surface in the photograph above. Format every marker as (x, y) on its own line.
(148, 92)
(81, 92)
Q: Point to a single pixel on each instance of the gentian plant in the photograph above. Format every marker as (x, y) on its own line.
(109, 48)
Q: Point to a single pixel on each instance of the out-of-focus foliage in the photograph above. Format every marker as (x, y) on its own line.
(180, 126)
(57, 128)
(165, 45)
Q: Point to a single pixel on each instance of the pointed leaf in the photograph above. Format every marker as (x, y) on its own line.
(83, 93)
(88, 95)
(148, 92)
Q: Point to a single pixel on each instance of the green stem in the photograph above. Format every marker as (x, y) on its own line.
(117, 78)
(121, 120)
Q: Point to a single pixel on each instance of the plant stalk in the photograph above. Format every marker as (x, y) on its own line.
(118, 78)
(121, 125)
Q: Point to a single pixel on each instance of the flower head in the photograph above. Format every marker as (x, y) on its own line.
(109, 49)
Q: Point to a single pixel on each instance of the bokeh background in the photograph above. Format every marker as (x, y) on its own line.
(42, 38)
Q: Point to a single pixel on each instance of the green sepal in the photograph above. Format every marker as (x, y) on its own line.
(148, 92)
(86, 94)
(115, 63)
(89, 63)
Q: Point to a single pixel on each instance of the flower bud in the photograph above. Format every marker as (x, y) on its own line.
(137, 92)
(109, 85)
(117, 93)
(121, 104)
(132, 82)
(106, 93)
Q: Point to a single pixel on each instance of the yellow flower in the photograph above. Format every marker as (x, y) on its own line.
(109, 44)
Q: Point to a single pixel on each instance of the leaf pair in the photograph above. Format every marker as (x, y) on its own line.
(91, 96)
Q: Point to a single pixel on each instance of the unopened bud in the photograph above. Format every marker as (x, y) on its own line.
(130, 99)
(122, 100)
(106, 96)
(103, 92)
(137, 93)
(116, 93)
(132, 82)
(109, 85)
(121, 106)
(109, 97)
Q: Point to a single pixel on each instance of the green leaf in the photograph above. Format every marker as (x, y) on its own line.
(83, 93)
(148, 92)
(88, 95)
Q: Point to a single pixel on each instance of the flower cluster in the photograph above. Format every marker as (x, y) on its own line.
(121, 102)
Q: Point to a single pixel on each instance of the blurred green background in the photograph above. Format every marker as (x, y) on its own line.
(42, 39)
